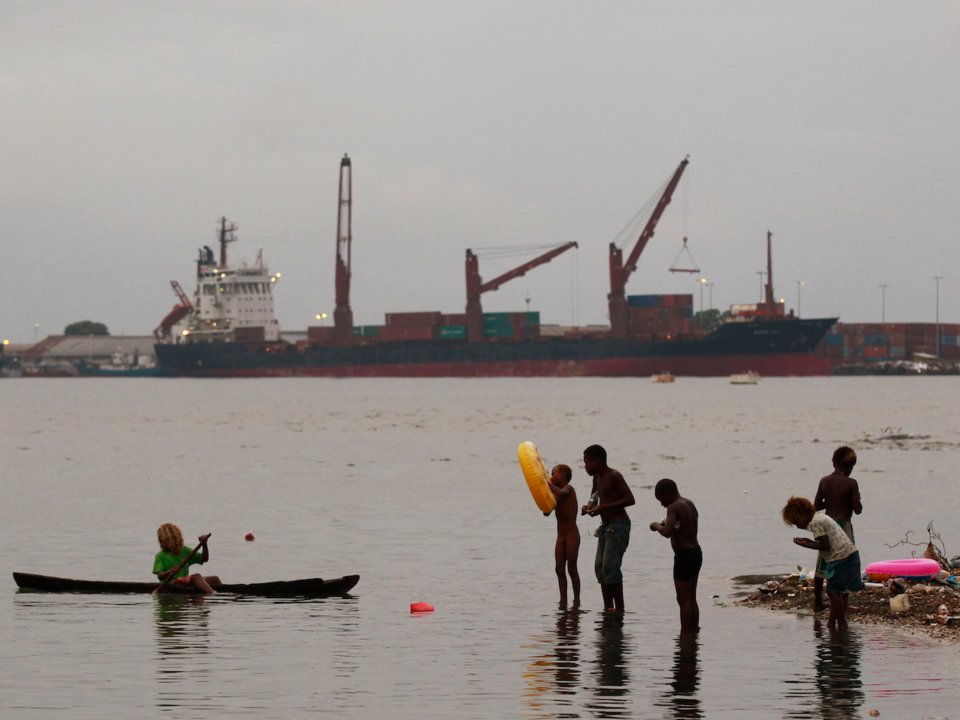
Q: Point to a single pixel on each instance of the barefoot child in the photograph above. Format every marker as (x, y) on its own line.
(839, 495)
(173, 552)
(614, 497)
(680, 525)
(567, 548)
(843, 560)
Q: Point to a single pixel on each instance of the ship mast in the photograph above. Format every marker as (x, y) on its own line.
(227, 234)
(342, 314)
(768, 296)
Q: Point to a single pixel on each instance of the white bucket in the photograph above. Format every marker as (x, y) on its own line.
(900, 603)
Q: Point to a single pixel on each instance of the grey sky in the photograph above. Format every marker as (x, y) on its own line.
(129, 128)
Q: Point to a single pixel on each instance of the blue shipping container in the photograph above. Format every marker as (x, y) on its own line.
(643, 301)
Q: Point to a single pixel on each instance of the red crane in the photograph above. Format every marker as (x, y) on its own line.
(620, 271)
(476, 287)
(342, 314)
(179, 311)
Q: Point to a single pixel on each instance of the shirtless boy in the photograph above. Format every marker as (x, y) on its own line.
(680, 525)
(614, 535)
(567, 548)
(839, 495)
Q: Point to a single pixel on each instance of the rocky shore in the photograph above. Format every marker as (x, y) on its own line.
(875, 604)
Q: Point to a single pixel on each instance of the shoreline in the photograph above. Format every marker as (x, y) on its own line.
(788, 593)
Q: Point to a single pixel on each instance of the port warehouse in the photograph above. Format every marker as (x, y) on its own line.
(880, 342)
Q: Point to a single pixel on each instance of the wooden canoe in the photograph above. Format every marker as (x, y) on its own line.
(309, 587)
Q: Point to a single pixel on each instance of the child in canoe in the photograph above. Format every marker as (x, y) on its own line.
(175, 558)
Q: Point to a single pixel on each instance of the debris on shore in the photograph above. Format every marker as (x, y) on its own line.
(931, 608)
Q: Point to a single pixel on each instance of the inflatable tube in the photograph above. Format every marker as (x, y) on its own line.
(908, 569)
(536, 475)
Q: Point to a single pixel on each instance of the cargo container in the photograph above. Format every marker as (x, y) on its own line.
(643, 301)
(408, 332)
(249, 334)
(452, 332)
(414, 318)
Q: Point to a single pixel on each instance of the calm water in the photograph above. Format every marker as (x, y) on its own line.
(415, 486)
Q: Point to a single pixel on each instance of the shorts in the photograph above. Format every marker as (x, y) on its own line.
(687, 563)
(611, 545)
(821, 567)
(844, 575)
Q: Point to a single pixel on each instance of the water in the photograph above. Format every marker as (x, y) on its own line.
(414, 485)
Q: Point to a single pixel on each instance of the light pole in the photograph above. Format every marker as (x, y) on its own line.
(799, 285)
(36, 331)
(703, 281)
(937, 279)
(883, 304)
(710, 293)
(321, 316)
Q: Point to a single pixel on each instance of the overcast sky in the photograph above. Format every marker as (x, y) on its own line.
(128, 128)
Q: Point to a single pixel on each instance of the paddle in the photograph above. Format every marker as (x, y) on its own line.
(174, 571)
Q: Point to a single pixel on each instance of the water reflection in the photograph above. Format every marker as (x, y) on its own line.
(836, 692)
(839, 686)
(682, 699)
(183, 647)
(611, 691)
(555, 668)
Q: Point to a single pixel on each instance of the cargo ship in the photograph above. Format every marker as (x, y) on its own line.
(228, 329)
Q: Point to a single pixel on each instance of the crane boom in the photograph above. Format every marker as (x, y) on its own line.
(620, 271)
(476, 287)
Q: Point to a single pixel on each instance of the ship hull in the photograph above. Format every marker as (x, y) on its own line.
(769, 347)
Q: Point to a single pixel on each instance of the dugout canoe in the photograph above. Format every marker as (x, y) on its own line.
(308, 587)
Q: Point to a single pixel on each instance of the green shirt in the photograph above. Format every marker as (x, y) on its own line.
(167, 561)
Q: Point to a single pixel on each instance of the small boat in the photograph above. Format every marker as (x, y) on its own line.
(663, 377)
(309, 587)
(745, 378)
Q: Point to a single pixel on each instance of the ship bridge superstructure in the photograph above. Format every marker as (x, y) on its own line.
(230, 303)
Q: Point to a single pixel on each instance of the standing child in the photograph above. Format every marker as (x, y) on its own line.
(839, 495)
(567, 548)
(842, 570)
(613, 498)
(680, 525)
(175, 557)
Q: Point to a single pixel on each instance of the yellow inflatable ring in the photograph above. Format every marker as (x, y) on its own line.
(536, 475)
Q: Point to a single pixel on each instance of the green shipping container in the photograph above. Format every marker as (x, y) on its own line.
(452, 332)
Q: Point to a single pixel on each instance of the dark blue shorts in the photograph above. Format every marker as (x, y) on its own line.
(844, 575)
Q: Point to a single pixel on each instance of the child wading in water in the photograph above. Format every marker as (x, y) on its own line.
(175, 557)
(567, 548)
(843, 560)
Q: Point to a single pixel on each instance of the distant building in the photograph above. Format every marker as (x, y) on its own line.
(69, 355)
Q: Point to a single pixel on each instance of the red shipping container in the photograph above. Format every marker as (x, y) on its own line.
(414, 318)
(408, 332)
(454, 319)
(319, 334)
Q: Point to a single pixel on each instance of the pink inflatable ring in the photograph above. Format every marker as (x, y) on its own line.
(909, 569)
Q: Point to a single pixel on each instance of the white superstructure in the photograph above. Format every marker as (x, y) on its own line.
(230, 303)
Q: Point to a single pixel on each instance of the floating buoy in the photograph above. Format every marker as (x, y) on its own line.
(421, 607)
(249, 536)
